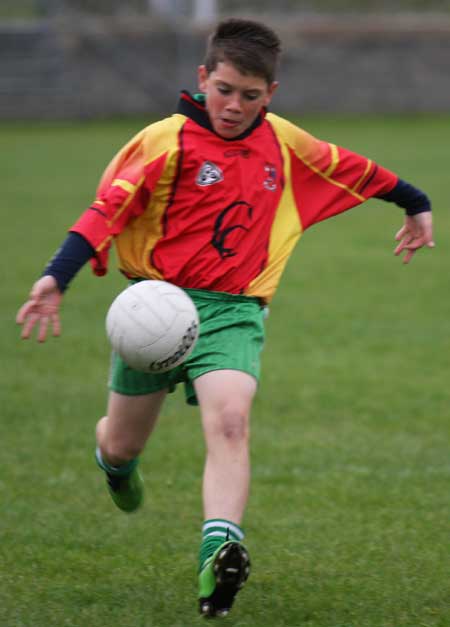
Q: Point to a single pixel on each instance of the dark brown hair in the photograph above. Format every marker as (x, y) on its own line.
(251, 47)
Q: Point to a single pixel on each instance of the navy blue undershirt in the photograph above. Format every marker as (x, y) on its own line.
(76, 251)
(408, 197)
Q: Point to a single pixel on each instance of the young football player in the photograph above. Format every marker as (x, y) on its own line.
(213, 199)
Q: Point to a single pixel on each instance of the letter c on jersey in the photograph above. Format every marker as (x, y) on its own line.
(224, 227)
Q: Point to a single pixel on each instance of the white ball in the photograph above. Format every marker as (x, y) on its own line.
(153, 326)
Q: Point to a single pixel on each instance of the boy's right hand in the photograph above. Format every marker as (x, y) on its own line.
(41, 308)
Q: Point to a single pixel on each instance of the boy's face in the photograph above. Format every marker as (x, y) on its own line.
(233, 100)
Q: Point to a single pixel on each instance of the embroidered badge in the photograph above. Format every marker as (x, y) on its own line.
(209, 174)
(270, 182)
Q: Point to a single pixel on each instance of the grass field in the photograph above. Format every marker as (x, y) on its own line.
(348, 522)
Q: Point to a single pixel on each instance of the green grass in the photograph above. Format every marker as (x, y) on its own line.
(348, 517)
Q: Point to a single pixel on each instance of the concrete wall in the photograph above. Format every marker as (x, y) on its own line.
(101, 67)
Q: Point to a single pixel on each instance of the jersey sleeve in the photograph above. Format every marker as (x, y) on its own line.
(326, 179)
(123, 193)
(332, 179)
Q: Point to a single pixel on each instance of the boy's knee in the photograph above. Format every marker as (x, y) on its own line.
(231, 424)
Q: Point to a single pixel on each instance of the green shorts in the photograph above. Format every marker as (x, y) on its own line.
(231, 337)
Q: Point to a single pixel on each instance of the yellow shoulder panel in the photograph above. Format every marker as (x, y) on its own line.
(160, 137)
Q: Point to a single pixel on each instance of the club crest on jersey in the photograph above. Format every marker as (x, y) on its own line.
(270, 182)
(209, 174)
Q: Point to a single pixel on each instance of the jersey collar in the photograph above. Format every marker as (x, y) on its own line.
(194, 108)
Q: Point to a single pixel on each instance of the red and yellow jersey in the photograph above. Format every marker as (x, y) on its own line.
(184, 205)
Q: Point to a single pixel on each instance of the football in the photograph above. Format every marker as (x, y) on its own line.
(153, 326)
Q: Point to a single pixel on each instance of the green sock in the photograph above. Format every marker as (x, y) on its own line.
(118, 471)
(215, 532)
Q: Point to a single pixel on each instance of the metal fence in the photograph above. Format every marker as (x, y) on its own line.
(79, 58)
(16, 9)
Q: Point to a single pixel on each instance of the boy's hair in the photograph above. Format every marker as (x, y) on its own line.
(251, 47)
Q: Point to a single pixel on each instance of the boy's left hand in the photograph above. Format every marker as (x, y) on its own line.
(414, 234)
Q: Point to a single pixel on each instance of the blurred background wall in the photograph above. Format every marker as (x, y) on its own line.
(90, 58)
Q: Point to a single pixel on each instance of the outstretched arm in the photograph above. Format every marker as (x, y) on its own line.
(42, 309)
(416, 233)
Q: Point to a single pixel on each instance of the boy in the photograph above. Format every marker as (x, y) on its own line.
(213, 199)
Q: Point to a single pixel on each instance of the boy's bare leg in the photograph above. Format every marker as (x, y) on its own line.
(123, 432)
(225, 398)
(121, 436)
